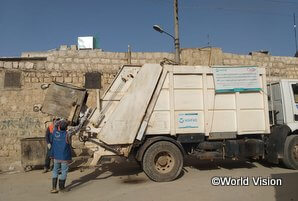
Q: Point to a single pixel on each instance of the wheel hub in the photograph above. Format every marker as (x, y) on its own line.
(295, 151)
(164, 162)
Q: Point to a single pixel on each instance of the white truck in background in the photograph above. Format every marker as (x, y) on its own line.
(161, 113)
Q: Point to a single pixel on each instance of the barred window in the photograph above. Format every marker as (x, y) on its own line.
(12, 80)
(93, 80)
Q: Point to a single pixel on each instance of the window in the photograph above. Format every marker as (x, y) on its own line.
(93, 80)
(295, 92)
(12, 80)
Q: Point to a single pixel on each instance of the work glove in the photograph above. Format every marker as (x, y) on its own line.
(49, 146)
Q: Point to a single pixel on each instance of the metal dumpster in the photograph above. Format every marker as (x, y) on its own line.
(33, 151)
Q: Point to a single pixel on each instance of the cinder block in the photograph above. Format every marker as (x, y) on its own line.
(226, 62)
(83, 67)
(62, 53)
(59, 79)
(27, 79)
(15, 64)
(7, 64)
(110, 55)
(29, 65)
(38, 74)
(65, 66)
(100, 54)
(60, 60)
(40, 65)
(34, 80)
(95, 60)
(92, 53)
(68, 60)
(63, 47)
(51, 58)
(227, 55)
(75, 80)
(105, 61)
(56, 67)
(76, 60)
(47, 80)
(82, 79)
(73, 47)
(120, 55)
(86, 60)
(83, 53)
(49, 66)
(68, 79)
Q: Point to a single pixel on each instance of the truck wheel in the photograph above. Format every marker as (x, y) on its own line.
(290, 158)
(162, 161)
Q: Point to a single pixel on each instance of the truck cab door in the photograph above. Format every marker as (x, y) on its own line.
(294, 99)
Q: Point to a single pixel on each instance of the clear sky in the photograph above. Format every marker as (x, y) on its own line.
(236, 26)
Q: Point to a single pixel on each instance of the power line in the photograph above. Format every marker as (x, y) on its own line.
(284, 2)
(236, 9)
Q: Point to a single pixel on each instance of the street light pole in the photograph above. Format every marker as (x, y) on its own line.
(296, 54)
(176, 39)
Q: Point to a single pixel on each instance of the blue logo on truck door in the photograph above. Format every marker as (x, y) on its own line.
(188, 120)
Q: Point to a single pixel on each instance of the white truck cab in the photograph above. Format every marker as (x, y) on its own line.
(284, 103)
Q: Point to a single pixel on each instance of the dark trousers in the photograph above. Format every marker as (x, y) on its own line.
(47, 162)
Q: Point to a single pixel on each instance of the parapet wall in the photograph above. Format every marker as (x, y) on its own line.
(277, 67)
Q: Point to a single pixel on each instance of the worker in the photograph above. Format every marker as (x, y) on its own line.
(48, 134)
(61, 153)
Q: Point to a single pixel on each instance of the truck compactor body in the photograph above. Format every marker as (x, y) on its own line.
(160, 113)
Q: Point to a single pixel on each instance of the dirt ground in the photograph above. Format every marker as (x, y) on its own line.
(126, 181)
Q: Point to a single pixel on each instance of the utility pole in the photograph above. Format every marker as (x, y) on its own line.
(296, 54)
(176, 25)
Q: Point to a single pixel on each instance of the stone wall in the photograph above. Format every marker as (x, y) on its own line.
(277, 67)
(17, 119)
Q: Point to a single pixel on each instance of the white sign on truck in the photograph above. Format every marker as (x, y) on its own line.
(188, 120)
(236, 79)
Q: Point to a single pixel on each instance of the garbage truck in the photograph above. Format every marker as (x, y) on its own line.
(160, 113)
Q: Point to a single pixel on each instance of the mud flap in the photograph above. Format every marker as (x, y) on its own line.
(275, 143)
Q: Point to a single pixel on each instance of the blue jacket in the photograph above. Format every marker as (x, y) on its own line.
(61, 149)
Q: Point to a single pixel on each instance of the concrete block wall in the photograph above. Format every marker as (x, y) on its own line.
(17, 119)
(277, 67)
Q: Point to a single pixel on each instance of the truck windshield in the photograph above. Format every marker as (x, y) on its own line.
(295, 92)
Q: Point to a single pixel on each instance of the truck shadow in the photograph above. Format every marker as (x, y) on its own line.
(288, 189)
(270, 165)
(114, 169)
(129, 170)
(192, 162)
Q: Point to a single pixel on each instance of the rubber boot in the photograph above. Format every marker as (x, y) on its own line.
(45, 170)
(61, 185)
(54, 185)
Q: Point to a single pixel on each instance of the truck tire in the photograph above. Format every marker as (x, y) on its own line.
(162, 161)
(290, 158)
